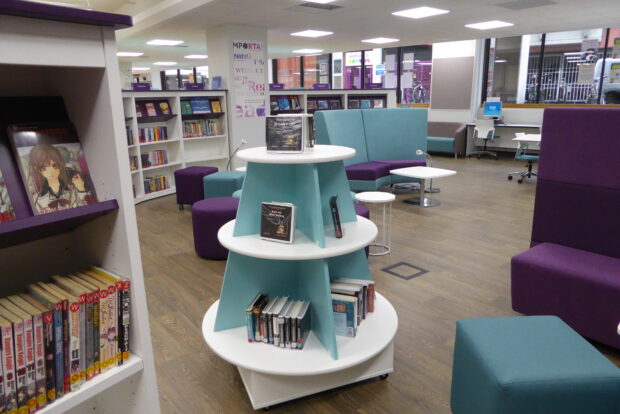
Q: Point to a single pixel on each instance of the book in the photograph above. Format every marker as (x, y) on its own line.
(92, 315)
(323, 104)
(293, 322)
(256, 311)
(186, 107)
(216, 83)
(370, 289)
(378, 103)
(264, 320)
(303, 324)
(335, 104)
(282, 324)
(52, 166)
(8, 393)
(284, 103)
(139, 112)
(354, 104)
(275, 313)
(273, 103)
(150, 108)
(365, 103)
(352, 289)
(345, 315)
(311, 105)
(285, 133)
(216, 107)
(277, 222)
(200, 105)
(333, 207)
(294, 99)
(249, 316)
(7, 213)
(20, 400)
(164, 108)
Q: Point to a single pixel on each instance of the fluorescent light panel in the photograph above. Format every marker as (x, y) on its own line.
(129, 54)
(164, 42)
(196, 56)
(137, 69)
(420, 12)
(381, 40)
(312, 33)
(493, 24)
(318, 1)
(164, 63)
(307, 51)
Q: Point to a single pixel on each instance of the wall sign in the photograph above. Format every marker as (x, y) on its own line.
(249, 79)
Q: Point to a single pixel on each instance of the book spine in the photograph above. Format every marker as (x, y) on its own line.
(74, 346)
(96, 333)
(299, 333)
(50, 353)
(263, 327)
(39, 357)
(123, 321)
(20, 368)
(371, 297)
(282, 329)
(270, 328)
(8, 368)
(31, 378)
(59, 350)
(66, 346)
(276, 330)
(293, 333)
(90, 341)
(112, 329)
(2, 378)
(256, 316)
(83, 337)
(249, 319)
(103, 329)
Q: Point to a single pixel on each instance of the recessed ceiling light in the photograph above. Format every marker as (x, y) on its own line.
(307, 51)
(137, 69)
(312, 33)
(318, 1)
(420, 12)
(129, 54)
(500, 60)
(164, 63)
(380, 40)
(202, 68)
(196, 57)
(493, 24)
(164, 42)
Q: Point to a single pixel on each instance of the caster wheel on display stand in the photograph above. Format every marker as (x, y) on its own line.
(384, 376)
(520, 181)
(510, 178)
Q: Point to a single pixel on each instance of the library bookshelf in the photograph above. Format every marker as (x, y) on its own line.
(301, 270)
(331, 98)
(62, 63)
(182, 149)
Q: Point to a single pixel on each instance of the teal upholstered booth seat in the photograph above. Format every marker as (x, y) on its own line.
(447, 137)
(530, 364)
(384, 139)
(223, 183)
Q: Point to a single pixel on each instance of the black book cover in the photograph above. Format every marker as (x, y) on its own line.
(333, 204)
(277, 222)
(285, 133)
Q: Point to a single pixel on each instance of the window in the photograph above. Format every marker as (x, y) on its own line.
(289, 72)
(316, 70)
(415, 74)
(380, 68)
(353, 70)
(610, 84)
(171, 77)
(202, 74)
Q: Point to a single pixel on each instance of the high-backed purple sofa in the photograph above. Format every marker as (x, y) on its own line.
(572, 269)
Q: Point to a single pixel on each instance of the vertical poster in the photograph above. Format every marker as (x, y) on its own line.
(249, 79)
(615, 53)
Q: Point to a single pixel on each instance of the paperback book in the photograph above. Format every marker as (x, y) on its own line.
(354, 104)
(277, 222)
(216, 107)
(200, 106)
(53, 166)
(285, 133)
(283, 103)
(278, 321)
(7, 213)
(186, 107)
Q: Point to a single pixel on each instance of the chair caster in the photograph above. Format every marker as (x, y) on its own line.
(520, 180)
(181, 207)
(384, 376)
(267, 408)
(510, 178)
(478, 156)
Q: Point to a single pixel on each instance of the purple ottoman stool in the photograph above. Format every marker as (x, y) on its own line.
(362, 210)
(207, 218)
(188, 182)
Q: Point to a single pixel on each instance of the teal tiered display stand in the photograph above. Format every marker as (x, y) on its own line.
(301, 270)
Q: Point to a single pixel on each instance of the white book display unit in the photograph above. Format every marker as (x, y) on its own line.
(301, 270)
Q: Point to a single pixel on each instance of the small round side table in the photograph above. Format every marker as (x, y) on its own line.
(385, 200)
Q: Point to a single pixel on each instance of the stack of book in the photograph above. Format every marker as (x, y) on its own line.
(129, 132)
(352, 300)
(153, 134)
(156, 183)
(155, 158)
(133, 162)
(278, 321)
(201, 127)
(61, 334)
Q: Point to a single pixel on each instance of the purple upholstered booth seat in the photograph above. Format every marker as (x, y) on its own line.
(188, 183)
(573, 270)
(362, 210)
(207, 218)
(367, 171)
(413, 162)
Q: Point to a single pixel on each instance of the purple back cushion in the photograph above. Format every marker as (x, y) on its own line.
(578, 192)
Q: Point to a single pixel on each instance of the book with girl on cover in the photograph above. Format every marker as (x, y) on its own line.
(52, 165)
(6, 208)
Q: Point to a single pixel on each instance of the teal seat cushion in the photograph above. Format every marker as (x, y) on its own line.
(533, 365)
(237, 194)
(440, 144)
(525, 157)
(222, 184)
(342, 128)
(395, 133)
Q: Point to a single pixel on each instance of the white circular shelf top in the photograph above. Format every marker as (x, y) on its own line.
(423, 172)
(357, 235)
(374, 334)
(316, 154)
(375, 197)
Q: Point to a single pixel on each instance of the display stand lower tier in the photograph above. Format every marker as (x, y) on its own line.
(274, 375)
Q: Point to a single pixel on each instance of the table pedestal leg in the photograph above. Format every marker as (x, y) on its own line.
(422, 201)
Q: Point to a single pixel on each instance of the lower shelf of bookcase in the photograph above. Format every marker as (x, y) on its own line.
(154, 194)
(95, 386)
(274, 375)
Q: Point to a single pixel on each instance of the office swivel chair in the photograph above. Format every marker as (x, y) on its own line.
(484, 130)
(522, 155)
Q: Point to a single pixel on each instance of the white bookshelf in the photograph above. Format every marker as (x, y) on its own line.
(211, 150)
(54, 51)
(345, 95)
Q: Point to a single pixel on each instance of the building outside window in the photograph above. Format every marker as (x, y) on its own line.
(610, 85)
(415, 74)
(316, 70)
(289, 72)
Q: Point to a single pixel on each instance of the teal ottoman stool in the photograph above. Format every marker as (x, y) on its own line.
(222, 184)
(530, 365)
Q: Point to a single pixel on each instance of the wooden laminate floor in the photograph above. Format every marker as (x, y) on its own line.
(465, 244)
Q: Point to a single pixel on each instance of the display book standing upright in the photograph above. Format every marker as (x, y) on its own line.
(301, 270)
(78, 82)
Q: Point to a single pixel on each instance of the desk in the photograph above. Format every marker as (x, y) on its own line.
(505, 132)
(535, 138)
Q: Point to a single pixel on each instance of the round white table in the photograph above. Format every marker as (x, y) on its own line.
(380, 199)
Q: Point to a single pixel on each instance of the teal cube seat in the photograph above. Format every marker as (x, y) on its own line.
(533, 365)
(223, 183)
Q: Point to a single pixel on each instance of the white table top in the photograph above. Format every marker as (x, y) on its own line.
(528, 138)
(316, 154)
(422, 172)
(375, 197)
(242, 169)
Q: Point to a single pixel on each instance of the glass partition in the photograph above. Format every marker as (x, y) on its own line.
(289, 72)
(415, 74)
(316, 70)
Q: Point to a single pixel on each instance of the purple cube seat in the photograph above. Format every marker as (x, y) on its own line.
(411, 162)
(369, 171)
(580, 287)
(207, 218)
(188, 183)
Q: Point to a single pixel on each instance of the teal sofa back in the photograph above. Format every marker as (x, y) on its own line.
(344, 128)
(395, 133)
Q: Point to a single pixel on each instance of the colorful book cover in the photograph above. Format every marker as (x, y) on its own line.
(323, 104)
(295, 102)
(284, 103)
(53, 166)
(186, 107)
(335, 104)
(365, 104)
(216, 107)
(378, 103)
(354, 104)
(274, 105)
(200, 106)
(7, 213)
(150, 109)
(345, 315)
(8, 367)
(312, 105)
(217, 83)
(164, 108)
(139, 113)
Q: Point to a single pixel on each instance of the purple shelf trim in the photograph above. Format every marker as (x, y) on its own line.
(45, 225)
(276, 86)
(141, 86)
(288, 111)
(63, 14)
(203, 116)
(336, 90)
(175, 90)
(194, 86)
(159, 118)
(320, 86)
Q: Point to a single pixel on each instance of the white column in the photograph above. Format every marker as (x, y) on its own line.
(239, 55)
(524, 59)
(126, 74)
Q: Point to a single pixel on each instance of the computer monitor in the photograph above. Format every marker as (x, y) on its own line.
(492, 109)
